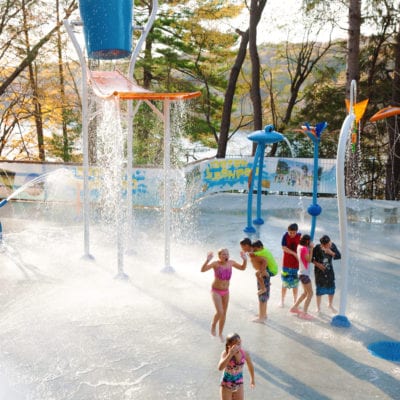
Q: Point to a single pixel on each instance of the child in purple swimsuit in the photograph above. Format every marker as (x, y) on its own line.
(232, 362)
(220, 286)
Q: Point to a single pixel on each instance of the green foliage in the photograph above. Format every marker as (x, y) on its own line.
(190, 54)
(55, 144)
(148, 138)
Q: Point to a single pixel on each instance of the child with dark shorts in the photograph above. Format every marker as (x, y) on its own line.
(323, 255)
(304, 253)
(263, 279)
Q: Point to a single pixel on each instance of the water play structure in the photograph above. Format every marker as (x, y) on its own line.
(314, 133)
(108, 35)
(386, 112)
(261, 138)
(341, 319)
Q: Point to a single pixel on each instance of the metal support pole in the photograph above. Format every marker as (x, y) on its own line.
(167, 189)
(85, 140)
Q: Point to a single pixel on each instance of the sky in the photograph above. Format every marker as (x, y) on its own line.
(280, 23)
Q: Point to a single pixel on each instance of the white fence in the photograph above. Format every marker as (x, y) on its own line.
(64, 182)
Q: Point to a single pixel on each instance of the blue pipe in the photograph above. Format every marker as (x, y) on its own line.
(2, 203)
(262, 138)
(315, 209)
(250, 228)
(315, 190)
(259, 220)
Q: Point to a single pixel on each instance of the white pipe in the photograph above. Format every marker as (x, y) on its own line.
(85, 138)
(341, 197)
(167, 191)
(142, 38)
(129, 167)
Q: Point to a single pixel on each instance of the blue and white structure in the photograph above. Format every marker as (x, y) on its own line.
(262, 138)
(341, 320)
(314, 133)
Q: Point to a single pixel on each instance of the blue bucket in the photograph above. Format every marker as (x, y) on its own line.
(107, 26)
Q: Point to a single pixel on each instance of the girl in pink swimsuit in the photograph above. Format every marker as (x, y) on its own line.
(220, 287)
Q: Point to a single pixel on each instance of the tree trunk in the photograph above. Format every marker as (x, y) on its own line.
(37, 113)
(353, 44)
(250, 36)
(392, 188)
(353, 73)
(65, 150)
(256, 10)
(230, 93)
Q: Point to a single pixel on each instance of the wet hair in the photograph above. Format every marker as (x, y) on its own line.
(258, 244)
(231, 338)
(222, 249)
(325, 239)
(293, 227)
(305, 239)
(246, 241)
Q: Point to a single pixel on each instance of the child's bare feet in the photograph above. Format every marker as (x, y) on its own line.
(259, 320)
(213, 330)
(306, 316)
(333, 309)
(221, 338)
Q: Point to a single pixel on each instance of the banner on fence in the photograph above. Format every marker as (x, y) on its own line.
(64, 182)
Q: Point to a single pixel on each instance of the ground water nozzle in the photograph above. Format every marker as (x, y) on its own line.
(3, 202)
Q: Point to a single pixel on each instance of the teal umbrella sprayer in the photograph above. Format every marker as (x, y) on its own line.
(262, 138)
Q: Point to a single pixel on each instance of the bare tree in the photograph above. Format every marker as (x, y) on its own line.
(248, 37)
(37, 112)
(301, 60)
(256, 10)
(31, 55)
(66, 155)
(392, 189)
(230, 93)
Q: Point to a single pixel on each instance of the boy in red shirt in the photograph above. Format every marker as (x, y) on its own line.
(290, 262)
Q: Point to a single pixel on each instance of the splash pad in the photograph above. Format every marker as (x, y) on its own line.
(69, 330)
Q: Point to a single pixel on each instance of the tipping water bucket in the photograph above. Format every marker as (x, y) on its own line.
(107, 26)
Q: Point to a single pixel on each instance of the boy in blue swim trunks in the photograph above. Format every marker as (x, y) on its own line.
(290, 263)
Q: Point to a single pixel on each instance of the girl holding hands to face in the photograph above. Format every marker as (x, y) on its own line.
(232, 362)
(220, 286)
